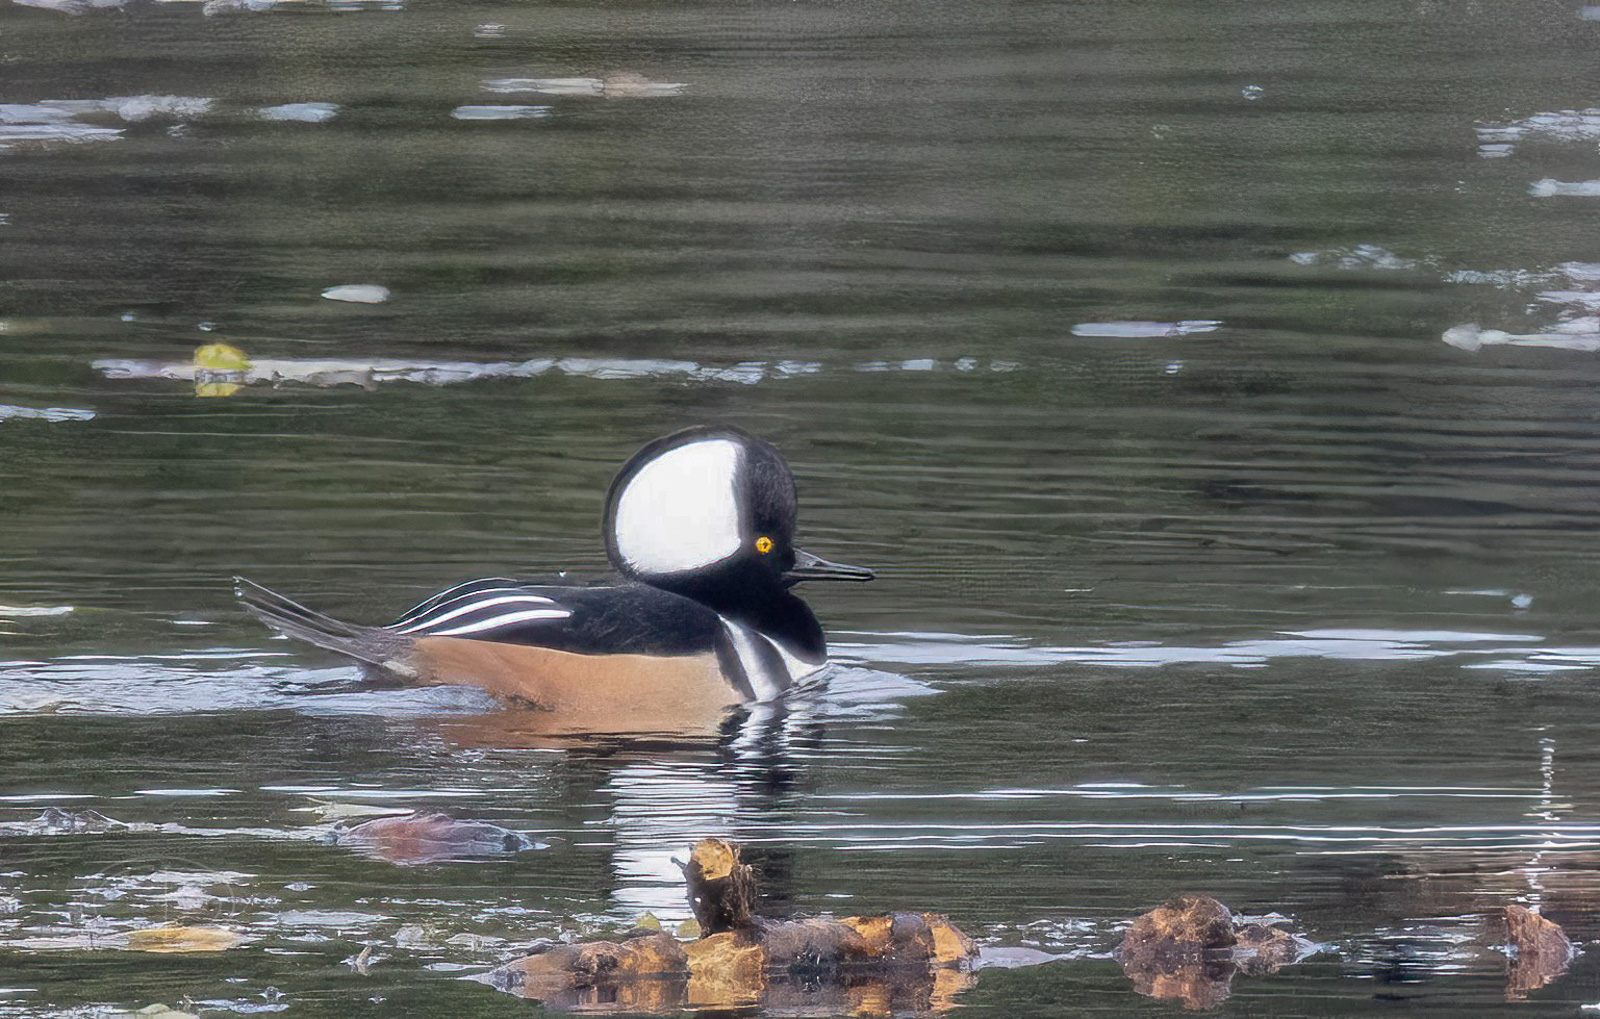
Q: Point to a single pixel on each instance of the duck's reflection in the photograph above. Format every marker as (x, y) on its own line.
(742, 789)
(736, 776)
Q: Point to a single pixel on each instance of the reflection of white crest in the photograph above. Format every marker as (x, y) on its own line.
(680, 511)
(659, 809)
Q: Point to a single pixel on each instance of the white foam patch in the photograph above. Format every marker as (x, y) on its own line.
(680, 511)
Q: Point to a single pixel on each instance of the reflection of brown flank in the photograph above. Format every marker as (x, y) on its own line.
(584, 693)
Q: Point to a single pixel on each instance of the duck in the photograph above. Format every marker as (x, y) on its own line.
(699, 615)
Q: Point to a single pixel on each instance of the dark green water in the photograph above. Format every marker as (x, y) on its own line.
(1298, 610)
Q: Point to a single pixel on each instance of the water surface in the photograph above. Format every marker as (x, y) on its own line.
(1211, 385)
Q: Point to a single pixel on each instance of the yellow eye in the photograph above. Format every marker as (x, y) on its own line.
(763, 544)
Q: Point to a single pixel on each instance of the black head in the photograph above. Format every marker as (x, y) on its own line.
(710, 512)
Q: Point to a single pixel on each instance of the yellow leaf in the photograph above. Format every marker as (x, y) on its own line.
(182, 939)
(220, 357)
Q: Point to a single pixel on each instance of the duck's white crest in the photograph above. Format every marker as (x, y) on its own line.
(680, 511)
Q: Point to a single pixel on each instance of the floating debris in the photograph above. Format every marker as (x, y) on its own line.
(22, 611)
(46, 413)
(1146, 330)
(1538, 951)
(741, 960)
(63, 120)
(132, 109)
(72, 6)
(59, 821)
(51, 130)
(1360, 256)
(615, 86)
(1189, 949)
(72, 822)
(1580, 334)
(1582, 299)
(175, 939)
(358, 293)
(1499, 140)
(219, 370)
(363, 962)
(1504, 279)
(419, 838)
(329, 811)
(1551, 188)
(212, 8)
(369, 374)
(500, 112)
(309, 113)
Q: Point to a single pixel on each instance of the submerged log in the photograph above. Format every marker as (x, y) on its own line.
(1540, 951)
(1259, 948)
(639, 975)
(722, 889)
(1189, 949)
(860, 964)
(420, 838)
(594, 962)
(726, 970)
(1185, 926)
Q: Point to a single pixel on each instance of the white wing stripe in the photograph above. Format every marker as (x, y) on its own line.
(476, 604)
(502, 620)
(445, 601)
(453, 594)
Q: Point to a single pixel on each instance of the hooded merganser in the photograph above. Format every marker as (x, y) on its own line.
(700, 524)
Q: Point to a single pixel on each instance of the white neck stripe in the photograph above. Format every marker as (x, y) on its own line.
(767, 680)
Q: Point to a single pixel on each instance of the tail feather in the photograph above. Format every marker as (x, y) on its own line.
(371, 644)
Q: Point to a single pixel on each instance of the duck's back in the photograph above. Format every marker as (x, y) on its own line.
(608, 617)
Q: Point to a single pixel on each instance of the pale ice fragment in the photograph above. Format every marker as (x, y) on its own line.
(1580, 270)
(1551, 188)
(615, 86)
(1359, 256)
(500, 112)
(71, 6)
(1146, 330)
(46, 413)
(358, 293)
(310, 113)
(1580, 334)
